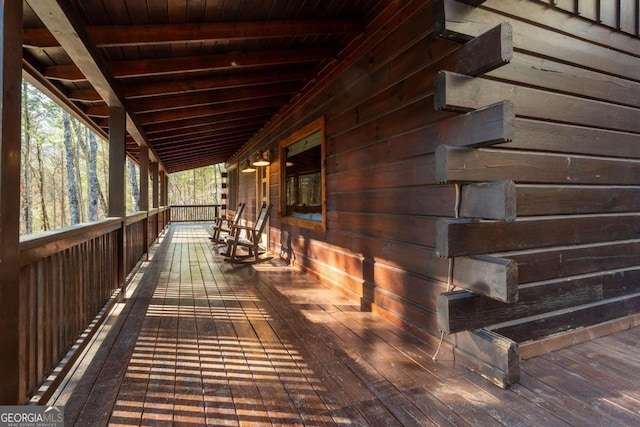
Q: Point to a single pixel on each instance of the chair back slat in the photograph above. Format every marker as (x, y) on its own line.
(263, 216)
(236, 216)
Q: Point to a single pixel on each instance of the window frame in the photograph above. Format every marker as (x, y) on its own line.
(315, 126)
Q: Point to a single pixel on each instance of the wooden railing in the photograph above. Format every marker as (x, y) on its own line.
(194, 213)
(67, 276)
(135, 239)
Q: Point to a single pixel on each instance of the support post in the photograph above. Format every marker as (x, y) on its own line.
(154, 197)
(163, 187)
(155, 183)
(117, 191)
(12, 369)
(144, 195)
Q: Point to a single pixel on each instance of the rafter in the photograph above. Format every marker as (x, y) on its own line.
(211, 97)
(227, 118)
(180, 146)
(206, 130)
(210, 110)
(116, 35)
(190, 64)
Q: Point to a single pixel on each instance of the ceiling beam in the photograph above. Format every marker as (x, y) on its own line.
(120, 35)
(179, 143)
(210, 110)
(216, 119)
(190, 64)
(193, 85)
(62, 20)
(171, 102)
(208, 130)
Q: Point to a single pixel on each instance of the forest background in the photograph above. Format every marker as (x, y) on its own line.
(65, 171)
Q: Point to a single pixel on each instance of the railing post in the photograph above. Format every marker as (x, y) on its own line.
(117, 191)
(12, 370)
(144, 196)
(154, 196)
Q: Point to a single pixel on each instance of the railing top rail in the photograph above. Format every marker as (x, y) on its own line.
(136, 217)
(42, 245)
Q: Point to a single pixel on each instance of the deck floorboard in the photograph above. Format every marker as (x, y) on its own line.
(202, 342)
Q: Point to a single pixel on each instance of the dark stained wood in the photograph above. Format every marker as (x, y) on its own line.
(105, 35)
(458, 237)
(456, 92)
(211, 97)
(461, 164)
(488, 200)
(12, 317)
(273, 345)
(544, 264)
(152, 67)
(462, 22)
(563, 200)
(493, 277)
(491, 355)
(218, 82)
(536, 327)
(557, 137)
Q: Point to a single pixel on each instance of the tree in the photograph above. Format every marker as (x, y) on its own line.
(133, 180)
(26, 161)
(92, 175)
(71, 176)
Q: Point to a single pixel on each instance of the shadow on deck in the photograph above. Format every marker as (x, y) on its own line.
(200, 342)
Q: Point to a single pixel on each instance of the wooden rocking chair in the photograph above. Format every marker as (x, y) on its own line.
(223, 225)
(251, 241)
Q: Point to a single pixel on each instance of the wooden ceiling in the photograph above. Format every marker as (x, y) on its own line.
(197, 78)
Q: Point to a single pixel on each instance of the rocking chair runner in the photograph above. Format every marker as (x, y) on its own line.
(223, 225)
(250, 242)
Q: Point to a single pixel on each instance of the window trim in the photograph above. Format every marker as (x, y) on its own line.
(316, 125)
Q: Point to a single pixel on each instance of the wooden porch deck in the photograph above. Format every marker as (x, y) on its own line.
(203, 343)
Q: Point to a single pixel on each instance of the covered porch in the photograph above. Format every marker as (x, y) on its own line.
(199, 341)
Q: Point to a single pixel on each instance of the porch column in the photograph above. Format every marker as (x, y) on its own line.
(117, 192)
(154, 198)
(12, 369)
(144, 195)
(154, 181)
(163, 188)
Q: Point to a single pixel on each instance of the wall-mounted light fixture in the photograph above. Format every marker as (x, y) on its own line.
(247, 167)
(262, 159)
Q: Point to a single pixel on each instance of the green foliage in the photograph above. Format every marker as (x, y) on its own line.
(197, 186)
(44, 186)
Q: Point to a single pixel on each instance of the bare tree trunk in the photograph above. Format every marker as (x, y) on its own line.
(71, 178)
(63, 208)
(135, 191)
(92, 175)
(43, 204)
(76, 166)
(216, 169)
(26, 165)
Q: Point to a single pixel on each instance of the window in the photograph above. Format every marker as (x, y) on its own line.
(303, 177)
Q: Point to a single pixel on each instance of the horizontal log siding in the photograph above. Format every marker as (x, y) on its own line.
(574, 159)
(382, 197)
(66, 277)
(393, 159)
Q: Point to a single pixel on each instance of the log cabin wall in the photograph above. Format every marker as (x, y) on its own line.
(495, 148)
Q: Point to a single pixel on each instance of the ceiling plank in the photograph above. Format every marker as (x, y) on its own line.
(200, 139)
(119, 35)
(190, 64)
(209, 129)
(170, 102)
(209, 110)
(217, 82)
(216, 119)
